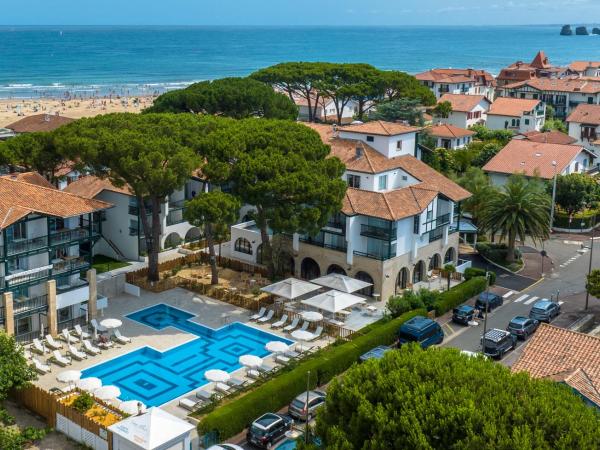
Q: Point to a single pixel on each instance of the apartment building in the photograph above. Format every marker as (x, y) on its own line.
(539, 67)
(458, 81)
(397, 222)
(584, 68)
(46, 243)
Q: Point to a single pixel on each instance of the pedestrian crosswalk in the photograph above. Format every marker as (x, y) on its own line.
(530, 301)
(521, 298)
(527, 299)
(508, 294)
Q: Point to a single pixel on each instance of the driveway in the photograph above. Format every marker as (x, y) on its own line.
(504, 278)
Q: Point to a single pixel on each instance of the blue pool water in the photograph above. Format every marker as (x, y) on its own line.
(155, 377)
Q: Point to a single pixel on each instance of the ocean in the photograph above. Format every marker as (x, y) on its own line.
(92, 61)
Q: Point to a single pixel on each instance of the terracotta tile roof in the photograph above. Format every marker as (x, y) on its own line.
(584, 113)
(39, 122)
(18, 199)
(90, 186)
(559, 85)
(540, 61)
(549, 137)
(31, 178)
(512, 107)
(563, 355)
(463, 103)
(380, 127)
(66, 168)
(449, 131)
(528, 157)
(456, 76)
(513, 74)
(581, 66)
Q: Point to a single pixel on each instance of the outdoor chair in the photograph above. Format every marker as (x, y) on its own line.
(190, 404)
(253, 374)
(120, 338)
(282, 359)
(260, 313)
(50, 342)
(291, 327)
(60, 359)
(292, 354)
(206, 396)
(317, 334)
(80, 333)
(76, 354)
(38, 347)
(40, 367)
(305, 326)
(90, 349)
(281, 322)
(99, 328)
(223, 388)
(66, 336)
(237, 383)
(267, 368)
(268, 317)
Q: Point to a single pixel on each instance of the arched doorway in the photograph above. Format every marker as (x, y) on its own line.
(450, 257)
(419, 272)
(243, 245)
(259, 254)
(402, 279)
(309, 269)
(172, 240)
(364, 276)
(193, 235)
(435, 262)
(334, 268)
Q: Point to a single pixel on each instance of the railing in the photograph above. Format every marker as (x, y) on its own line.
(439, 221)
(341, 248)
(71, 323)
(385, 234)
(70, 284)
(436, 234)
(133, 210)
(61, 237)
(30, 304)
(377, 256)
(26, 245)
(27, 277)
(174, 219)
(70, 265)
(27, 337)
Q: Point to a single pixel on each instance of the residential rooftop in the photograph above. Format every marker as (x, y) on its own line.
(512, 107)
(445, 130)
(463, 102)
(584, 113)
(39, 122)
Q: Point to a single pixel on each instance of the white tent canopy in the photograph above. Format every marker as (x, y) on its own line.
(151, 430)
(342, 283)
(333, 301)
(290, 288)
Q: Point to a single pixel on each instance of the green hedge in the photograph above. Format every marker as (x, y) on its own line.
(473, 272)
(561, 220)
(232, 418)
(459, 294)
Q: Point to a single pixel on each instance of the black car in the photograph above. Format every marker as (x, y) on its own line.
(491, 300)
(463, 314)
(544, 310)
(497, 342)
(267, 430)
(522, 326)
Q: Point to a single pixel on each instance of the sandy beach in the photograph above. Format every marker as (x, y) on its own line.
(12, 110)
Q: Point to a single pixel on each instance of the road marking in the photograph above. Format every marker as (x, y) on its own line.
(508, 294)
(531, 300)
(521, 298)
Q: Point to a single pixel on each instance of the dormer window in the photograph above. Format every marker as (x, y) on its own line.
(354, 181)
(399, 145)
(370, 138)
(382, 182)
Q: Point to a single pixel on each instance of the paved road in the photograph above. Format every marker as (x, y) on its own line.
(504, 278)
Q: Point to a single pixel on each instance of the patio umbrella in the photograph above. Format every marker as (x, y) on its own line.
(312, 316)
(107, 392)
(217, 376)
(290, 288)
(341, 282)
(109, 324)
(69, 376)
(132, 407)
(89, 384)
(302, 336)
(250, 361)
(333, 301)
(277, 347)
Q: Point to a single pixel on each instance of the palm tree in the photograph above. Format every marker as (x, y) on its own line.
(478, 184)
(519, 209)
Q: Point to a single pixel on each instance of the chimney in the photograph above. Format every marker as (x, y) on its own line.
(359, 151)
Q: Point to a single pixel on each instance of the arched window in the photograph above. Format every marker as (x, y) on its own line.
(259, 254)
(309, 269)
(243, 245)
(450, 256)
(419, 272)
(402, 279)
(364, 276)
(334, 268)
(435, 262)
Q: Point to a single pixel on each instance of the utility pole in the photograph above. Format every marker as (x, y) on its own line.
(307, 402)
(553, 197)
(587, 292)
(487, 307)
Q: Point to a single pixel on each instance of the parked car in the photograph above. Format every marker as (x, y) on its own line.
(491, 300)
(522, 326)
(225, 447)
(268, 429)
(544, 310)
(420, 329)
(463, 314)
(297, 408)
(497, 342)
(376, 353)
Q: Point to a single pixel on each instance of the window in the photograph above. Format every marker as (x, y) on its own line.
(417, 224)
(382, 182)
(370, 138)
(526, 121)
(399, 145)
(64, 314)
(535, 96)
(243, 245)
(576, 166)
(23, 325)
(133, 227)
(354, 181)
(590, 100)
(17, 231)
(513, 123)
(522, 95)
(56, 224)
(17, 264)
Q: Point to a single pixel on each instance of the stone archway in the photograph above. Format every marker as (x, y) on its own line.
(309, 269)
(419, 272)
(172, 241)
(450, 256)
(193, 234)
(435, 262)
(334, 268)
(364, 276)
(403, 279)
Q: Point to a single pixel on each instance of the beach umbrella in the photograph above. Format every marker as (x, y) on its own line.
(333, 301)
(69, 376)
(132, 407)
(250, 361)
(341, 282)
(107, 392)
(217, 376)
(89, 384)
(290, 288)
(312, 316)
(109, 324)
(277, 347)
(302, 335)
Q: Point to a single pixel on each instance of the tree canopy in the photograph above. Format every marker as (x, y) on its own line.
(575, 191)
(15, 371)
(478, 184)
(232, 97)
(442, 110)
(442, 399)
(400, 109)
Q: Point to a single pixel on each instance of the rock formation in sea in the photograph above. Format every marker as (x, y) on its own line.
(595, 30)
(581, 31)
(566, 30)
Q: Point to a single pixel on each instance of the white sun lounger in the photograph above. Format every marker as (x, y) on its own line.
(223, 388)
(282, 359)
(38, 347)
(267, 368)
(260, 313)
(67, 337)
(76, 354)
(50, 342)
(317, 334)
(268, 317)
(80, 333)
(41, 367)
(305, 326)
(253, 374)
(204, 395)
(97, 326)
(291, 327)
(90, 349)
(190, 404)
(120, 338)
(281, 322)
(60, 359)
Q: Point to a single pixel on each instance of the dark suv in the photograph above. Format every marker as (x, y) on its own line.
(522, 326)
(463, 314)
(267, 430)
(491, 300)
(544, 310)
(497, 342)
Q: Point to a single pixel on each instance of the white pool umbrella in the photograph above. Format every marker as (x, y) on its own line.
(69, 376)
(107, 392)
(312, 316)
(251, 361)
(109, 324)
(277, 347)
(89, 384)
(290, 288)
(333, 301)
(132, 407)
(217, 376)
(341, 282)
(302, 335)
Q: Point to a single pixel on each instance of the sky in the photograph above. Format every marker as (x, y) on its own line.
(299, 12)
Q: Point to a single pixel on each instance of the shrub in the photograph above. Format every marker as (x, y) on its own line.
(83, 402)
(409, 300)
(473, 272)
(495, 252)
(233, 417)
(459, 294)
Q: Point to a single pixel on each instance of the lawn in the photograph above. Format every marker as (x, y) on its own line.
(103, 263)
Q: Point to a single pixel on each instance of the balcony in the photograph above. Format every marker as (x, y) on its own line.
(311, 241)
(383, 234)
(436, 234)
(175, 217)
(28, 306)
(377, 255)
(177, 204)
(71, 264)
(27, 277)
(20, 246)
(66, 236)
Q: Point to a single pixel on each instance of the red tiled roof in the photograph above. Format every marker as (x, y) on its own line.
(379, 127)
(39, 122)
(549, 137)
(90, 186)
(456, 76)
(462, 103)
(581, 66)
(31, 178)
(584, 113)
(512, 107)
(531, 158)
(559, 85)
(449, 131)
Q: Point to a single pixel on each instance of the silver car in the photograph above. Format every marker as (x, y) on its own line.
(297, 408)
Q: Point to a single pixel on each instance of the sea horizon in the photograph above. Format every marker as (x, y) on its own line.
(128, 60)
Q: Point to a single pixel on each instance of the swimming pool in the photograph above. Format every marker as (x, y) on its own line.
(155, 377)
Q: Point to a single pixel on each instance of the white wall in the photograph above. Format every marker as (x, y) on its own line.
(116, 226)
(386, 145)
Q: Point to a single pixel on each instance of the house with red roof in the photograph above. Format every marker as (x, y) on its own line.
(450, 137)
(519, 71)
(584, 126)
(458, 81)
(467, 110)
(516, 114)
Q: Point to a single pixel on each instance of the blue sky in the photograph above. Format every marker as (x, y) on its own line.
(298, 12)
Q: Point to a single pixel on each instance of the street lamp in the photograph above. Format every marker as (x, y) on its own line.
(487, 302)
(553, 197)
(587, 292)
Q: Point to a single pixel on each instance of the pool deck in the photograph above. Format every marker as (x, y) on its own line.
(208, 311)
